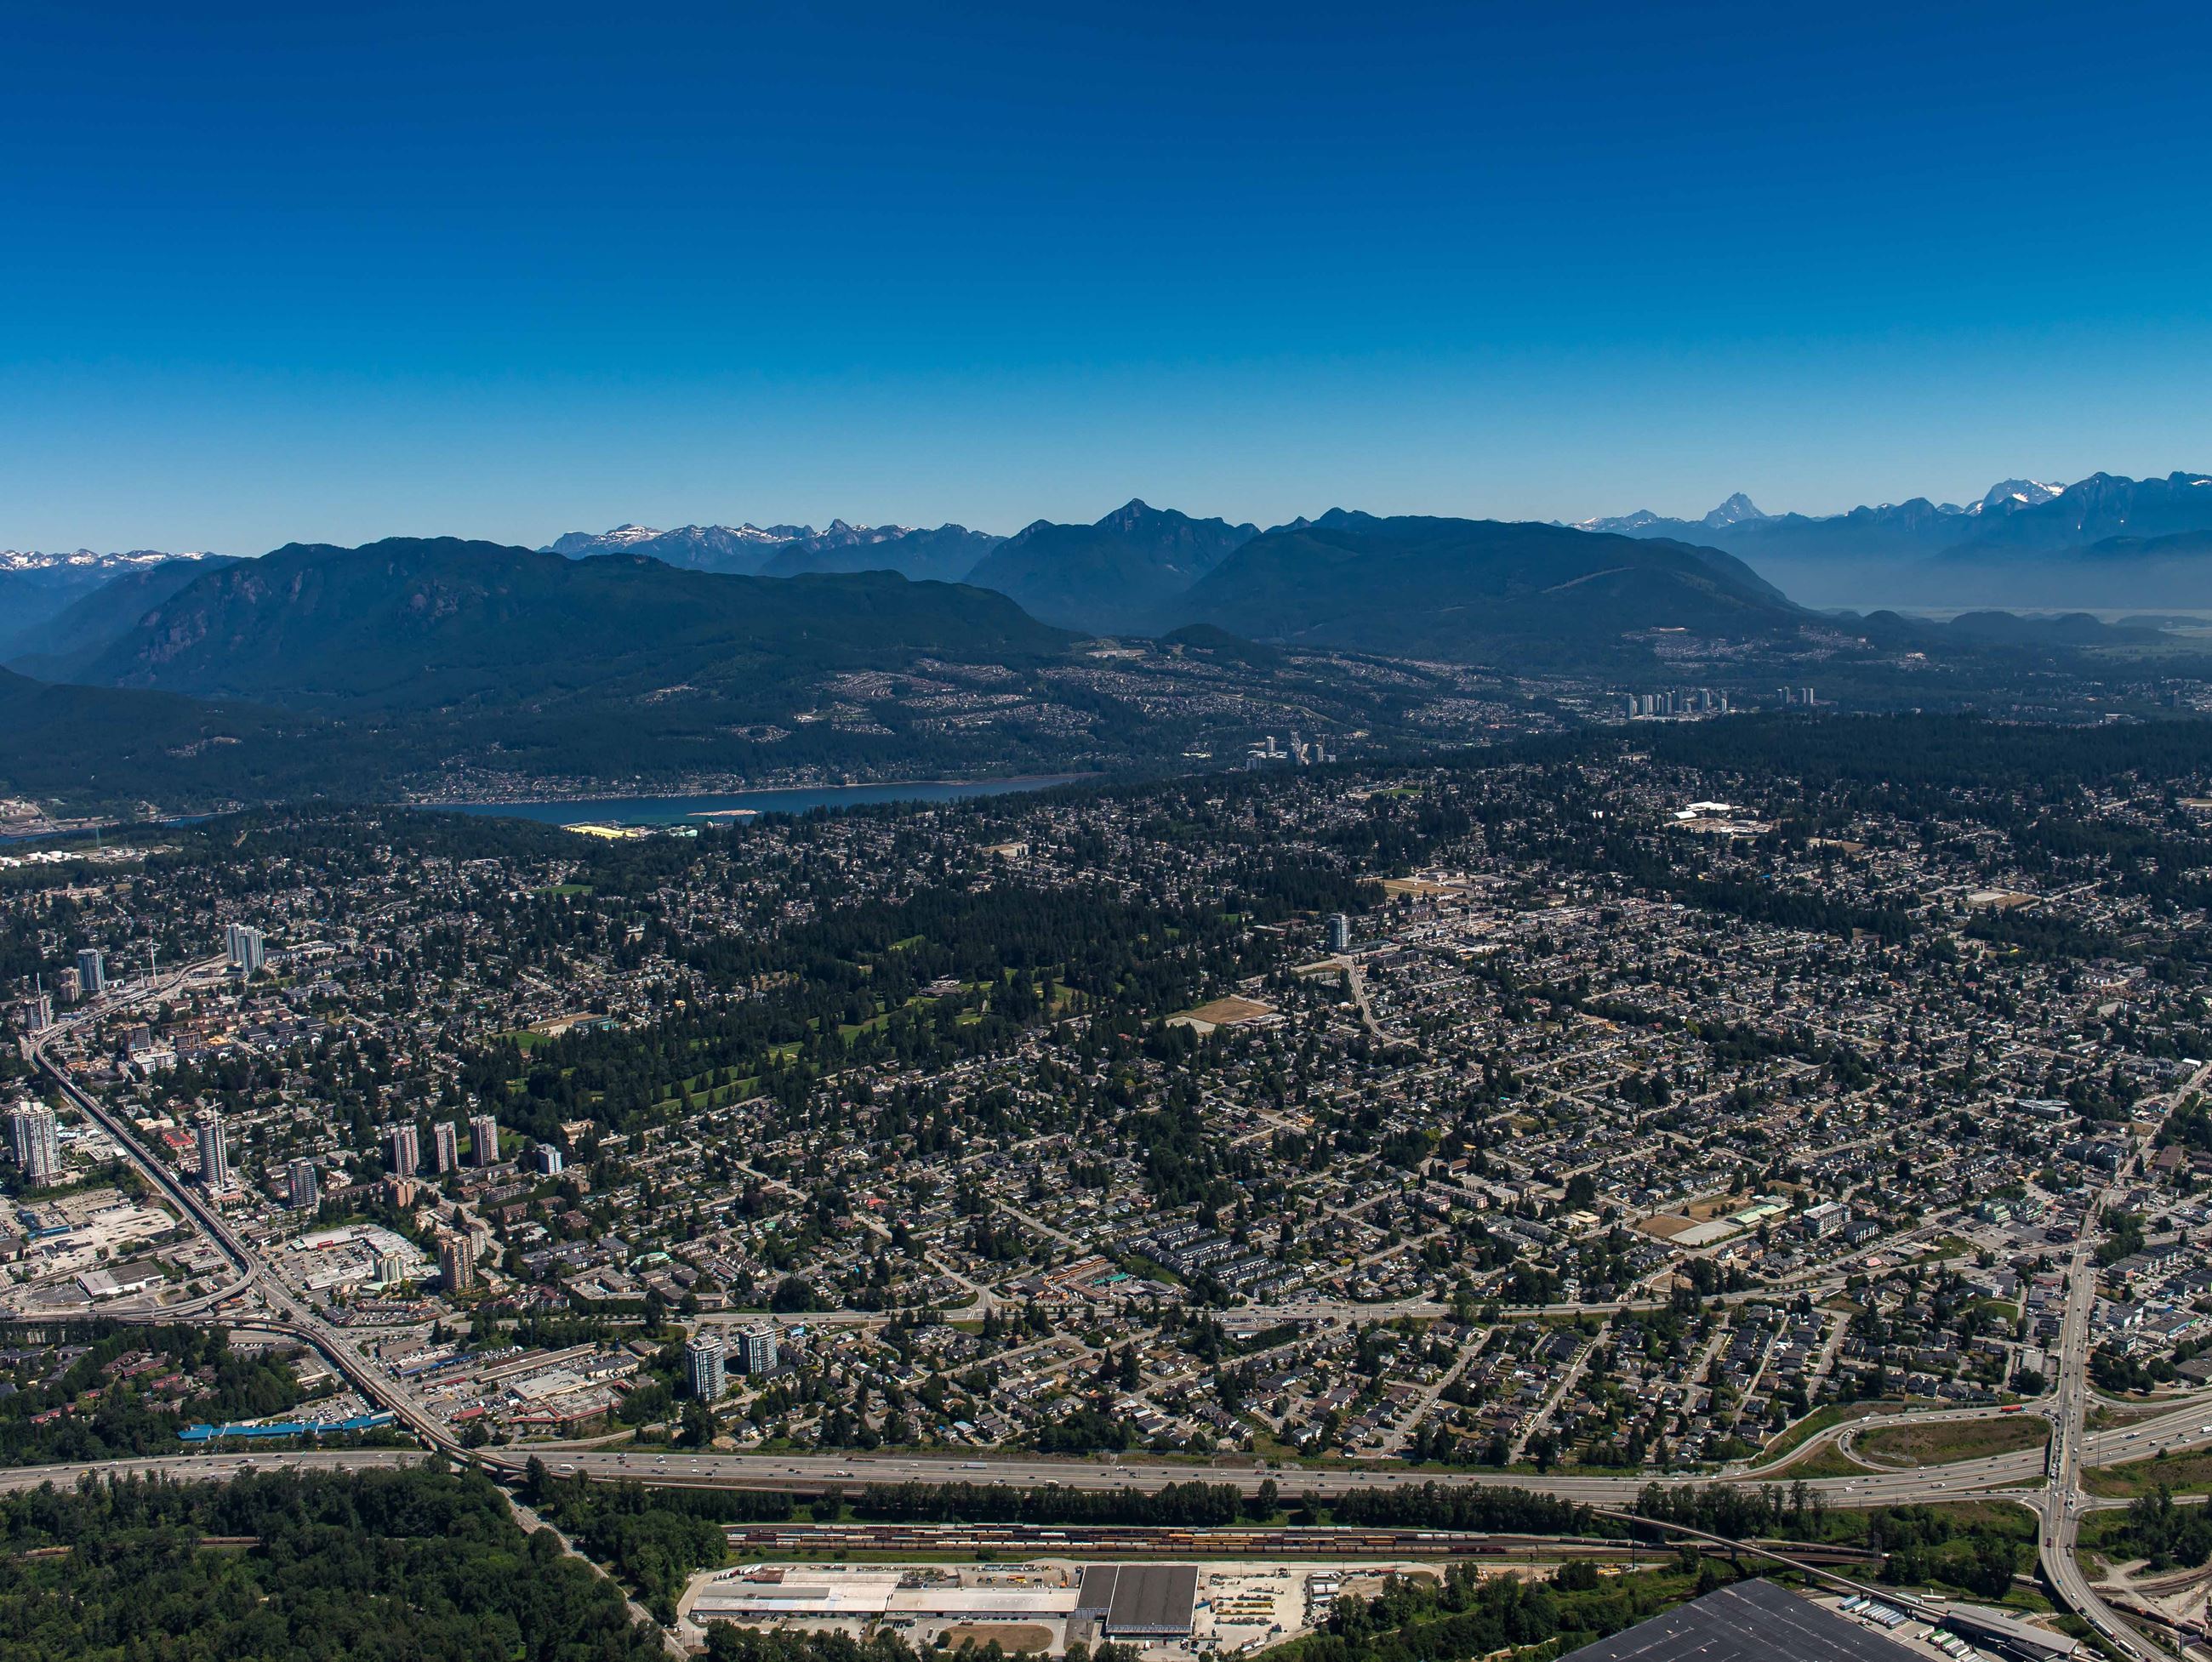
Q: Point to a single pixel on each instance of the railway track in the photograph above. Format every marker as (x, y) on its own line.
(1045, 1540)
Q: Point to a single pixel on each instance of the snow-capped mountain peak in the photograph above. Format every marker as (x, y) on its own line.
(1620, 523)
(2009, 495)
(1734, 511)
(89, 559)
(581, 545)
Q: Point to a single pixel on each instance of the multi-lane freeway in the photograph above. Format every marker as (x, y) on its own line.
(2015, 1475)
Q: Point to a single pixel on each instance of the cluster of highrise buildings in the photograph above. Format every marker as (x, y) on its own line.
(1300, 753)
(1702, 701)
(1682, 701)
(709, 1359)
(403, 1147)
(247, 947)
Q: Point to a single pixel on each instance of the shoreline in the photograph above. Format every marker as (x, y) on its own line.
(1011, 782)
(490, 806)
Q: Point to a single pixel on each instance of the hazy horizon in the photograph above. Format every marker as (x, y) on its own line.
(822, 519)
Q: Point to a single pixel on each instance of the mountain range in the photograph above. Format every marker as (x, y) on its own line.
(1115, 574)
(305, 622)
(455, 668)
(440, 624)
(320, 668)
(2006, 497)
(1449, 588)
(2106, 541)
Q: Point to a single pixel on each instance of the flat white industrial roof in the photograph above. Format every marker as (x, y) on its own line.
(814, 1598)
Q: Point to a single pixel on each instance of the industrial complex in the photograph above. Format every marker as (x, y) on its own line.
(1043, 1605)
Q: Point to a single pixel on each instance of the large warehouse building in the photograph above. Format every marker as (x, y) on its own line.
(1139, 1601)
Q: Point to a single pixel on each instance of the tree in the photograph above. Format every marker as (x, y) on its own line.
(697, 1430)
(793, 1294)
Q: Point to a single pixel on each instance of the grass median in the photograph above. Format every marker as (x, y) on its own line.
(1943, 1442)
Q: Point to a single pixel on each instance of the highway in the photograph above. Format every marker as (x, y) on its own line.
(812, 1473)
(2063, 1501)
(2017, 1474)
(2061, 1498)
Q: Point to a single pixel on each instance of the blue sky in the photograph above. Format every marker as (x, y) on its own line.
(270, 273)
